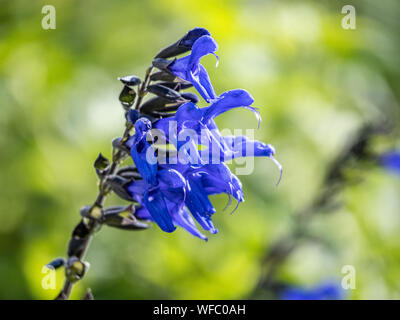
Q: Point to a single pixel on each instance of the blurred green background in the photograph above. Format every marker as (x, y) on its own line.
(315, 84)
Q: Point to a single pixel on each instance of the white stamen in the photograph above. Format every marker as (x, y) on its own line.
(279, 167)
(229, 202)
(216, 65)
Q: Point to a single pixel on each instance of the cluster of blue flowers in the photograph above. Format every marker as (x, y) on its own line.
(172, 193)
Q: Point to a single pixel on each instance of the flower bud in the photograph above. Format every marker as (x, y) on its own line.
(184, 44)
(76, 269)
(56, 263)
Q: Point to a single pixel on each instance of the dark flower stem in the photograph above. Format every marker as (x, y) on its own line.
(93, 225)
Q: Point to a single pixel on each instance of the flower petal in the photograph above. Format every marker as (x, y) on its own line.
(143, 153)
(242, 146)
(184, 44)
(155, 203)
(184, 220)
(200, 79)
(199, 205)
(217, 178)
(190, 69)
(227, 101)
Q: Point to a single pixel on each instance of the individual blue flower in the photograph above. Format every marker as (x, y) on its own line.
(324, 291)
(217, 148)
(164, 200)
(201, 120)
(189, 68)
(184, 44)
(238, 147)
(391, 161)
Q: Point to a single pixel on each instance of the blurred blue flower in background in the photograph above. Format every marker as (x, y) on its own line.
(391, 161)
(328, 290)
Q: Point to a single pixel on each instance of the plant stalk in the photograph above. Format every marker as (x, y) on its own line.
(93, 225)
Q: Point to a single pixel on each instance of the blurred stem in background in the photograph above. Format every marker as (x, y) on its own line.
(354, 155)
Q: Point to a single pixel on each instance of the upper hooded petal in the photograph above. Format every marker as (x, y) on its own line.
(184, 44)
(203, 46)
(190, 69)
(227, 101)
(155, 203)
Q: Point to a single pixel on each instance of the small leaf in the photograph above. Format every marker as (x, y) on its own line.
(184, 44)
(101, 162)
(130, 80)
(123, 218)
(127, 96)
(123, 211)
(85, 211)
(164, 92)
(119, 145)
(56, 263)
(125, 223)
(155, 103)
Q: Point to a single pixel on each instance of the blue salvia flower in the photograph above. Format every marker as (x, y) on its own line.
(324, 291)
(190, 69)
(391, 161)
(201, 120)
